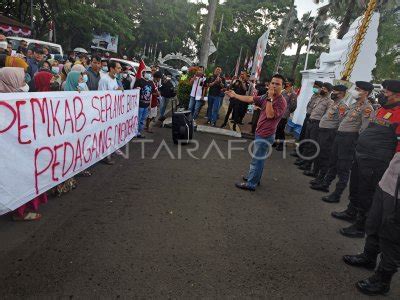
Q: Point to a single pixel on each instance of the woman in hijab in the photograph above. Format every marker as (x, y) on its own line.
(75, 82)
(64, 73)
(45, 82)
(12, 80)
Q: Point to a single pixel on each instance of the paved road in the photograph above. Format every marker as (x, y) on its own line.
(169, 228)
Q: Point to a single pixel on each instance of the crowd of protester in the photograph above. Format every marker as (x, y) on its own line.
(37, 71)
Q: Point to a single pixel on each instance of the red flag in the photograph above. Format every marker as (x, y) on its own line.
(141, 68)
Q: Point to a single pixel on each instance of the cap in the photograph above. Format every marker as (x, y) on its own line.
(365, 85)
(392, 85)
(318, 83)
(340, 88)
(328, 86)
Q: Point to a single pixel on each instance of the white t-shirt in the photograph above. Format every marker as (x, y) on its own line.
(107, 83)
(197, 88)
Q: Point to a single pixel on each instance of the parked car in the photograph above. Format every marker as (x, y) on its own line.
(53, 48)
(127, 63)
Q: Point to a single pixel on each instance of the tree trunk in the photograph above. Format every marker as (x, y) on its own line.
(345, 25)
(296, 59)
(205, 44)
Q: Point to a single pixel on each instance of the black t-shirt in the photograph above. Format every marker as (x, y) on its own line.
(146, 91)
(216, 89)
(237, 87)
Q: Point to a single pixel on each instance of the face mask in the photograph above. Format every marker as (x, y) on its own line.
(382, 99)
(85, 78)
(25, 88)
(124, 75)
(28, 78)
(104, 69)
(82, 86)
(315, 90)
(334, 96)
(355, 94)
(54, 86)
(55, 70)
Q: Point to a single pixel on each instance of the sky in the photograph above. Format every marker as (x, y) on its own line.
(304, 6)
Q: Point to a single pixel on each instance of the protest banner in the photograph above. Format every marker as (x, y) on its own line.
(47, 138)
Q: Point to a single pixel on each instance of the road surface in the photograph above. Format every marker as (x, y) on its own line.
(177, 228)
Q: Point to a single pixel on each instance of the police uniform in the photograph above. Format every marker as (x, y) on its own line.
(310, 106)
(355, 119)
(376, 146)
(383, 233)
(327, 132)
(318, 111)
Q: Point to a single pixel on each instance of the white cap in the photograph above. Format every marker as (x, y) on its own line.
(184, 69)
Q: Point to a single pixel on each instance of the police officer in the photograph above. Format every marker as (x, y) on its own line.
(355, 119)
(316, 90)
(319, 109)
(327, 130)
(375, 148)
(383, 234)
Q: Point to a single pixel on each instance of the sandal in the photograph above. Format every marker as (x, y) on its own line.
(29, 216)
(85, 174)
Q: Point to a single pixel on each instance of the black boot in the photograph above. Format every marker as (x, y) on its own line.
(346, 215)
(320, 187)
(310, 173)
(353, 231)
(305, 167)
(299, 162)
(377, 284)
(332, 198)
(315, 181)
(360, 260)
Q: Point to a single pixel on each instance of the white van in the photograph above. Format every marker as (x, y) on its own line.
(53, 48)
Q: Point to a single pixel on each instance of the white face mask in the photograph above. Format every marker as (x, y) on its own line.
(104, 69)
(148, 76)
(55, 70)
(82, 86)
(354, 94)
(25, 88)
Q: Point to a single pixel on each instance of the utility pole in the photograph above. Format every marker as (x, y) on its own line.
(282, 48)
(219, 32)
(206, 39)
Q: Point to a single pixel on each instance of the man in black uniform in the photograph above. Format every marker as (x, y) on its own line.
(375, 148)
(327, 131)
(240, 87)
(356, 118)
(383, 234)
(316, 90)
(318, 111)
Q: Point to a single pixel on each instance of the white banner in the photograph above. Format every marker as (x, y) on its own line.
(46, 138)
(259, 56)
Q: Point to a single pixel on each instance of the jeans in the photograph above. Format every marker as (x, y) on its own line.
(194, 107)
(143, 113)
(214, 104)
(163, 106)
(261, 149)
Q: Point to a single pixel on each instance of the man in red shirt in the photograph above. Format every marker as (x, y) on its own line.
(273, 106)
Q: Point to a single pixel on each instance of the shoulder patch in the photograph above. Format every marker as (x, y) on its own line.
(367, 112)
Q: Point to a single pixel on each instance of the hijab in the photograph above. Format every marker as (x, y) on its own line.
(71, 83)
(79, 68)
(13, 61)
(42, 81)
(11, 80)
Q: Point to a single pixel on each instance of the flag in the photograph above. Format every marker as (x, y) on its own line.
(245, 62)
(237, 67)
(250, 64)
(141, 68)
